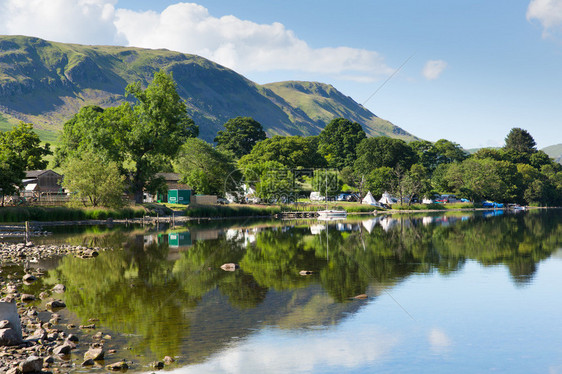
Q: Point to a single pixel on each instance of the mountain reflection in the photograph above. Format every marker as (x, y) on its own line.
(168, 291)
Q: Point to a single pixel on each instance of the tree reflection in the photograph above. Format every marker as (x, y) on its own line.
(140, 290)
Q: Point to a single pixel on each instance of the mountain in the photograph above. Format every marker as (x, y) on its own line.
(45, 83)
(554, 151)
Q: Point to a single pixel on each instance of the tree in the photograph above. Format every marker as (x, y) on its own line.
(381, 151)
(140, 137)
(520, 141)
(204, 168)
(326, 182)
(447, 152)
(380, 180)
(20, 150)
(240, 135)
(291, 151)
(415, 182)
(272, 180)
(12, 172)
(338, 142)
(476, 179)
(90, 179)
(26, 144)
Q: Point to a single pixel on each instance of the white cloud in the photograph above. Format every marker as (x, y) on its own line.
(299, 353)
(438, 340)
(547, 12)
(242, 45)
(71, 21)
(433, 69)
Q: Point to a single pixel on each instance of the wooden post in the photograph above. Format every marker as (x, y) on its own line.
(173, 219)
(26, 231)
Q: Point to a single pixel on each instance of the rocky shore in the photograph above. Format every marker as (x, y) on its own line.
(33, 337)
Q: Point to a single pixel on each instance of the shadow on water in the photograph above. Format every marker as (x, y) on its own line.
(165, 293)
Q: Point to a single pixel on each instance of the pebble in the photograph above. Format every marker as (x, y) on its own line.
(43, 345)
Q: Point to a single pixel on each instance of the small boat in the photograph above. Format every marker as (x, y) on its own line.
(329, 214)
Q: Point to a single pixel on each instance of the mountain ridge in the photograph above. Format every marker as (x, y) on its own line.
(46, 82)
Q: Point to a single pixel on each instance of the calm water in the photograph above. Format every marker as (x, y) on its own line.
(459, 293)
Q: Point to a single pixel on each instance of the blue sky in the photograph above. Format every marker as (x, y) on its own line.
(477, 68)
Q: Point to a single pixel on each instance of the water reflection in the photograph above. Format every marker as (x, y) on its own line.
(166, 290)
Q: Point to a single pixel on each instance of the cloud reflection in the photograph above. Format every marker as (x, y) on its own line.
(298, 352)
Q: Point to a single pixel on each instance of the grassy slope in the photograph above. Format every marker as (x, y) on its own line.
(554, 151)
(45, 83)
(322, 103)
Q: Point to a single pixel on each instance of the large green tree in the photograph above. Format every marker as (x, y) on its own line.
(140, 136)
(20, 150)
(382, 151)
(22, 140)
(239, 136)
(207, 170)
(338, 141)
(519, 140)
(291, 151)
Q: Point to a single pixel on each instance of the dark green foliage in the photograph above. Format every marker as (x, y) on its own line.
(19, 151)
(338, 141)
(239, 136)
(382, 151)
(520, 141)
(291, 151)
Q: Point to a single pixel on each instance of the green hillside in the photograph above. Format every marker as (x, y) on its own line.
(45, 83)
(554, 151)
(322, 103)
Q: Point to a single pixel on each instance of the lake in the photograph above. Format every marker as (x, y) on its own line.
(462, 292)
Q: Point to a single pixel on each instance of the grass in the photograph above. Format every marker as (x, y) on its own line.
(233, 210)
(22, 214)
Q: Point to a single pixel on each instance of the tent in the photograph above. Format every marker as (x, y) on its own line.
(369, 199)
(387, 199)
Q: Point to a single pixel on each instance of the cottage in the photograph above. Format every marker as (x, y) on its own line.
(42, 182)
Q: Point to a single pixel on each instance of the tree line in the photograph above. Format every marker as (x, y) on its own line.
(102, 152)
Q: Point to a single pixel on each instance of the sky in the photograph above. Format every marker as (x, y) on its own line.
(464, 70)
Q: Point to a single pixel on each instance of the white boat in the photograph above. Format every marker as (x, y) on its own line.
(328, 214)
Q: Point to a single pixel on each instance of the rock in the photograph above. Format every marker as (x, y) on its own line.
(88, 362)
(63, 349)
(229, 267)
(157, 365)
(361, 297)
(168, 360)
(29, 278)
(94, 353)
(72, 338)
(305, 272)
(27, 297)
(9, 337)
(59, 288)
(5, 324)
(38, 334)
(32, 364)
(98, 335)
(55, 304)
(92, 326)
(43, 295)
(122, 365)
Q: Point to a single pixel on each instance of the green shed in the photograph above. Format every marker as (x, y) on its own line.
(179, 239)
(179, 196)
